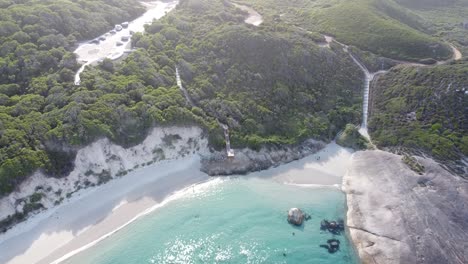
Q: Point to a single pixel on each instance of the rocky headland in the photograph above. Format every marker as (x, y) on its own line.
(247, 160)
(397, 215)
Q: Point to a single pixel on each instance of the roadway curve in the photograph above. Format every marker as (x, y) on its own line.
(369, 76)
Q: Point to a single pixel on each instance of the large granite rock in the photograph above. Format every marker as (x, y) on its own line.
(247, 160)
(398, 216)
(295, 216)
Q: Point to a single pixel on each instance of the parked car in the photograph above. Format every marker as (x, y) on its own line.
(118, 27)
(125, 24)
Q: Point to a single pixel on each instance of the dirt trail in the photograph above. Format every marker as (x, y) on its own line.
(457, 55)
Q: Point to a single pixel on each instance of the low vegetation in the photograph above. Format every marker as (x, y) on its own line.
(422, 109)
(413, 164)
(351, 138)
(383, 27)
(447, 19)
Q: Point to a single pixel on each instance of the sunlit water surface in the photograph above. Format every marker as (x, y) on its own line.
(229, 221)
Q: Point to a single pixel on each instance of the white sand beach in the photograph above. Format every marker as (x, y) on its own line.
(96, 213)
(93, 214)
(324, 168)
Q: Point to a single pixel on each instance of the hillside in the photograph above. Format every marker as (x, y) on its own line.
(422, 110)
(36, 70)
(380, 26)
(270, 86)
(426, 4)
(448, 19)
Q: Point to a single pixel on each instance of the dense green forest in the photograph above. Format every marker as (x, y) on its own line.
(36, 69)
(271, 85)
(423, 109)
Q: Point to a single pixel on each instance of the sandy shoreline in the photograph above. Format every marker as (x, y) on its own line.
(326, 168)
(94, 214)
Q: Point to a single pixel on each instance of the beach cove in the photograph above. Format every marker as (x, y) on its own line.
(99, 215)
(156, 186)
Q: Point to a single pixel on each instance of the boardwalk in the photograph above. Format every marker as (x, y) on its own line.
(184, 91)
(229, 151)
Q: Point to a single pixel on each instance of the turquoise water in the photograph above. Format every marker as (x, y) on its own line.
(230, 221)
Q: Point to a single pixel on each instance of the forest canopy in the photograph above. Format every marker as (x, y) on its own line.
(274, 84)
(271, 84)
(36, 72)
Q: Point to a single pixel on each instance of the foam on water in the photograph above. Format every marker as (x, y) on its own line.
(238, 220)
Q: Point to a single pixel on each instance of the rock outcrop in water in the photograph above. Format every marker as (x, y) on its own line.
(295, 216)
(334, 227)
(333, 245)
(396, 215)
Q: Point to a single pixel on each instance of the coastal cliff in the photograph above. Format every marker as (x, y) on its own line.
(396, 215)
(97, 164)
(103, 161)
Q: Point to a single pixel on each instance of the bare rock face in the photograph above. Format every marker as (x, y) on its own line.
(396, 216)
(247, 160)
(295, 216)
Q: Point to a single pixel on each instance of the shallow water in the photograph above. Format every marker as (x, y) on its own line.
(238, 220)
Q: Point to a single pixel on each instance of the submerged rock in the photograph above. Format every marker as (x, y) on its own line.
(333, 245)
(334, 227)
(295, 216)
